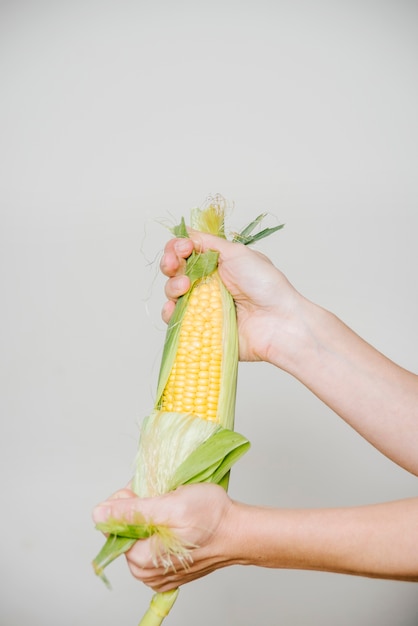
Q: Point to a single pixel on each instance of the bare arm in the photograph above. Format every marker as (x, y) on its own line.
(378, 541)
(373, 394)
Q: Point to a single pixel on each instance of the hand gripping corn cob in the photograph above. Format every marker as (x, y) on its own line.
(189, 435)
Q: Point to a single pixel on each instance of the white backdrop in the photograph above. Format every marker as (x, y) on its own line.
(116, 118)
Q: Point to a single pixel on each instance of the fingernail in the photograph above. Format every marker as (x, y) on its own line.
(101, 513)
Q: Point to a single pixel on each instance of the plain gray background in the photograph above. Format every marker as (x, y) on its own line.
(116, 118)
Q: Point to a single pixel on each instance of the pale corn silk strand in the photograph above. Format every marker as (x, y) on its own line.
(188, 442)
(167, 440)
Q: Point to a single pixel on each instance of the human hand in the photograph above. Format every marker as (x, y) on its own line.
(268, 306)
(199, 515)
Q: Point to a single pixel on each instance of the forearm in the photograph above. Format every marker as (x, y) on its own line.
(379, 541)
(374, 395)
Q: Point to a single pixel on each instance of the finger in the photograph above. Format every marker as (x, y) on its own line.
(205, 241)
(103, 510)
(170, 262)
(183, 247)
(118, 507)
(175, 253)
(157, 577)
(140, 557)
(176, 286)
(159, 581)
(128, 508)
(167, 311)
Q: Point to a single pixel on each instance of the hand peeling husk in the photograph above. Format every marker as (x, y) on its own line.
(167, 550)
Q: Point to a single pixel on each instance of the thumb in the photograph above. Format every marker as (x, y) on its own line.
(206, 241)
(124, 505)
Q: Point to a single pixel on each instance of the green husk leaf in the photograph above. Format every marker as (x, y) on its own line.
(249, 229)
(139, 529)
(180, 230)
(198, 264)
(229, 460)
(201, 264)
(171, 341)
(212, 459)
(111, 550)
(248, 240)
(224, 482)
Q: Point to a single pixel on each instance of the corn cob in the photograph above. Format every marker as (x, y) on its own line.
(189, 435)
(195, 378)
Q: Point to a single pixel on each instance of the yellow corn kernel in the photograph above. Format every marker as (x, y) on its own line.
(194, 382)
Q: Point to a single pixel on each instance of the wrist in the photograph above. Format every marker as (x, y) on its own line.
(236, 534)
(295, 338)
(249, 540)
